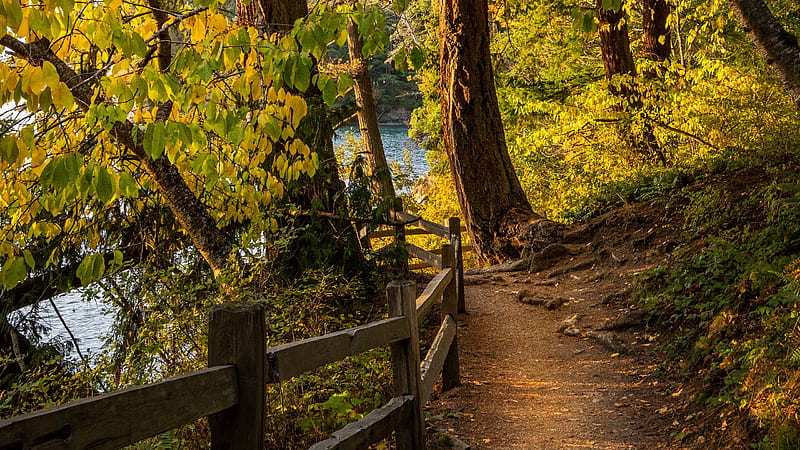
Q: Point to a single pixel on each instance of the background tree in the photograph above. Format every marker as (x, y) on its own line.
(777, 46)
(368, 114)
(656, 35)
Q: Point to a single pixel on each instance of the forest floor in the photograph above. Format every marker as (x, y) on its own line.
(543, 367)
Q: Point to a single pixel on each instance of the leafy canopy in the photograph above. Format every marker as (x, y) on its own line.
(220, 102)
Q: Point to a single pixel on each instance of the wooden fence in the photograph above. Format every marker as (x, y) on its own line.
(404, 224)
(231, 390)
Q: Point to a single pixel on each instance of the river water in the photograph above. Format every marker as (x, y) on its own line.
(86, 319)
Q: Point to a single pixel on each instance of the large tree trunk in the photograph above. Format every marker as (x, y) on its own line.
(494, 205)
(270, 16)
(615, 46)
(656, 46)
(778, 46)
(615, 50)
(368, 115)
(656, 43)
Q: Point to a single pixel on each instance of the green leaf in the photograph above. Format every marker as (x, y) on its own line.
(236, 134)
(29, 258)
(273, 128)
(154, 140)
(344, 84)
(103, 185)
(127, 186)
(398, 6)
(8, 149)
(38, 22)
(91, 268)
(118, 258)
(417, 57)
(302, 72)
(14, 271)
(138, 45)
(588, 24)
(329, 91)
(13, 14)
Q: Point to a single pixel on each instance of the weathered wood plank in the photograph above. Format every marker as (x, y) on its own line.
(432, 293)
(237, 334)
(121, 418)
(418, 266)
(405, 364)
(434, 361)
(438, 251)
(454, 224)
(376, 425)
(289, 360)
(428, 257)
(451, 372)
(390, 233)
(433, 228)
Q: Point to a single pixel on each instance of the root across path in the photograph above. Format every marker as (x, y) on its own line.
(554, 359)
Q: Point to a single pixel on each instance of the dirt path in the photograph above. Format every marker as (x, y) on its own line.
(526, 385)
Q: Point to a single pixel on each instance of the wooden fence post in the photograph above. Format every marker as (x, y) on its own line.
(237, 335)
(451, 373)
(405, 363)
(454, 224)
(400, 234)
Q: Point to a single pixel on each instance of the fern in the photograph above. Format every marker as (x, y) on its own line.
(794, 358)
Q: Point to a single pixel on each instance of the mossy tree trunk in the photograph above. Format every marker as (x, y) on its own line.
(325, 190)
(494, 205)
(615, 50)
(656, 47)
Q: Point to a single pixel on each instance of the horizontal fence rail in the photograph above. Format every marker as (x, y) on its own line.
(374, 427)
(289, 360)
(231, 391)
(434, 361)
(433, 293)
(431, 259)
(122, 418)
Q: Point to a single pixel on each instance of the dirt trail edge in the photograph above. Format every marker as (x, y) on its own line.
(538, 372)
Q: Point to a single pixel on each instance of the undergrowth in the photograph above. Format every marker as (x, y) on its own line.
(727, 304)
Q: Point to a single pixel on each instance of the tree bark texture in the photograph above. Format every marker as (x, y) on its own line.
(270, 15)
(778, 46)
(615, 45)
(656, 44)
(368, 115)
(491, 197)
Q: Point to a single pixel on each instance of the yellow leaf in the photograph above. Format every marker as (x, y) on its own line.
(24, 29)
(198, 94)
(63, 97)
(217, 24)
(49, 74)
(33, 81)
(198, 29)
(38, 156)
